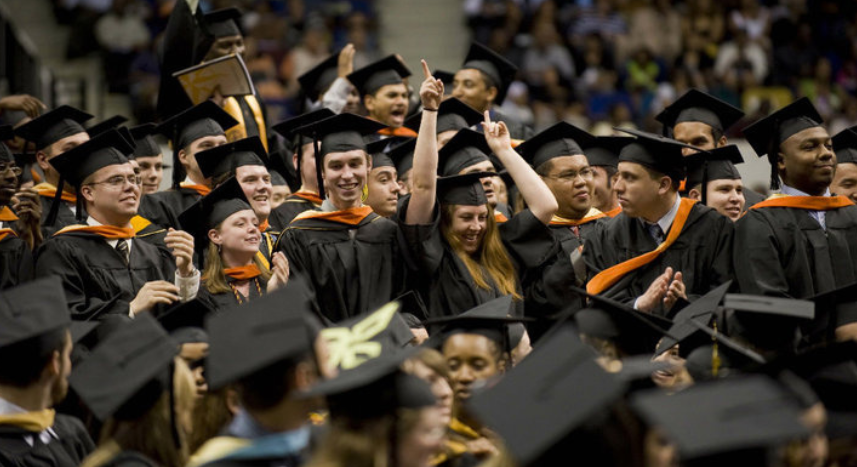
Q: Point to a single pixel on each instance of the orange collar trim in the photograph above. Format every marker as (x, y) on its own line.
(352, 216)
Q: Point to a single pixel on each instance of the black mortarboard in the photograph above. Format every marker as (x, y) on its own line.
(453, 114)
(6, 133)
(317, 80)
(558, 388)
(465, 149)
(412, 304)
(697, 106)
(81, 329)
(223, 23)
(288, 128)
(560, 139)
(723, 416)
(226, 158)
(402, 155)
(128, 371)
(144, 144)
(201, 120)
(108, 148)
(603, 151)
(185, 322)
(500, 71)
(716, 164)
(702, 310)
(357, 340)
(268, 330)
(32, 309)
(767, 134)
(702, 348)
(845, 146)
(108, 124)
(379, 152)
(375, 389)
(633, 331)
(339, 133)
(52, 126)
(655, 152)
(372, 77)
(447, 77)
(212, 209)
(490, 319)
(770, 323)
(462, 190)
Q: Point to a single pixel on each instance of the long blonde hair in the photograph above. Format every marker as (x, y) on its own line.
(491, 257)
(151, 433)
(215, 279)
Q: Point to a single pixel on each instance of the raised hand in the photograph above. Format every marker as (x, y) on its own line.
(23, 102)
(431, 91)
(676, 291)
(181, 245)
(153, 293)
(496, 134)
(345, 64)
(656, 293)
(280, 272)
(28, 208)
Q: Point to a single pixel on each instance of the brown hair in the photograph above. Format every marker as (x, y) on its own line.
(215, 279)
(151, 433)
(492, 256)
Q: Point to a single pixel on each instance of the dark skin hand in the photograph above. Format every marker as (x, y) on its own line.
(28, 208)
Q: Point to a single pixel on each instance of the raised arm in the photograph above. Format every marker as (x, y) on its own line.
(424, 172)
(538, 196)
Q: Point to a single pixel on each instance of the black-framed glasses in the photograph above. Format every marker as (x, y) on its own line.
(586, 174)
(118, 181)
(16, 171)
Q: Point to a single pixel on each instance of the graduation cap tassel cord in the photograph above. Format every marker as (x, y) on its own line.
(704, 186)
(773, 155)
(316, 146)
(715, 353)
(55, 204)
(173, 422)
(78, 206)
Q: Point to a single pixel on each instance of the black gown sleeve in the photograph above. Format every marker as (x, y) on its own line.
(756, 255)
(529, 242)
(423, 245)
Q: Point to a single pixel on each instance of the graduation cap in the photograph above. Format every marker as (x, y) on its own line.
(452, 115)
(32, 309)
(709, 352)
(319, 79)
(655, 152)
(701, 310)
(6, 133)
(268, 330)
(717, 164)
(558, 388)
(603, 151)
(288, 128)
(463, 190)
(379, 152)
(446, 77)
(411, 304)
(128, 371)
(185, 322)
(402, 155)
(490, 319)
(465, 149)
(199, 121)
(209, 211)
(108, 124)
(226, 158)
(222, 23)
(339, 133)
(500, 71)
(767, 134)
(561, 139)
(369, 79)
(697, 106)
(724, 416)
(355, 341)
(770, 323)
(144, 144)
(845, 146)
(375, 389)
(52, 126)
(108, 148)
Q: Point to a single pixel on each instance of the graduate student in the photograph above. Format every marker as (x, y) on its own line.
(194, 130)
(307, 197)
(104, 269)
(798, 244)
(227, 230)
(36, 349)
(326, 85)
(459, 253)
(382, 185)
(348, 254)
(845, 180)
(385, 94)
(602, 152)
(660, 248)
(16, 243)
(713, 180)
(149, 158)
(54, 133)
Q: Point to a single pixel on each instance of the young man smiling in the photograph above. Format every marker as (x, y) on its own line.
(800, 243)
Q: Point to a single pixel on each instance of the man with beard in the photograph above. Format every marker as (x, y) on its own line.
(103, 267)
(385, 95)
(35, 345)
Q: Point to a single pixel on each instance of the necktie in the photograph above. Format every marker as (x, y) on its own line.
(657, 233)
(575, 229)
(122, 248)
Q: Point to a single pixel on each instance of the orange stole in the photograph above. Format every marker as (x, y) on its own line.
(606, 278)
(592, 215)
(109, 232)
(309, 196)
(352, 216)
(6, 232)
(613, 212)
(201, 189)
(500, 218)
(810, 203)
(402, 131)
(6, 215)
(264, 226)
(243, 273)
(49, 191)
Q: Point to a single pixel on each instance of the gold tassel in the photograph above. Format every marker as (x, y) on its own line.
(365, 195)
(715, 354)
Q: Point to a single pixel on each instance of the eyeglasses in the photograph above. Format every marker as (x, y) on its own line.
(16, 171)
(119, 181)
(585, 174)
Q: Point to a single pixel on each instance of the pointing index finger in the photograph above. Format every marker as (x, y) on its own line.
(426, 70)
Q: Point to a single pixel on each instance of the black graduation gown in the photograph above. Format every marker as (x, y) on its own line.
(441, 275)
(703, 254)
(291, 207)
(226, 300)
(65, 216)
(95, 278)
(352, 269)
(130, 459)
(16, 262)
(784, 252)
(163, 208)
(73, 445)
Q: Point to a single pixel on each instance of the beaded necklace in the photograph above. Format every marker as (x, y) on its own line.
(238, 295)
